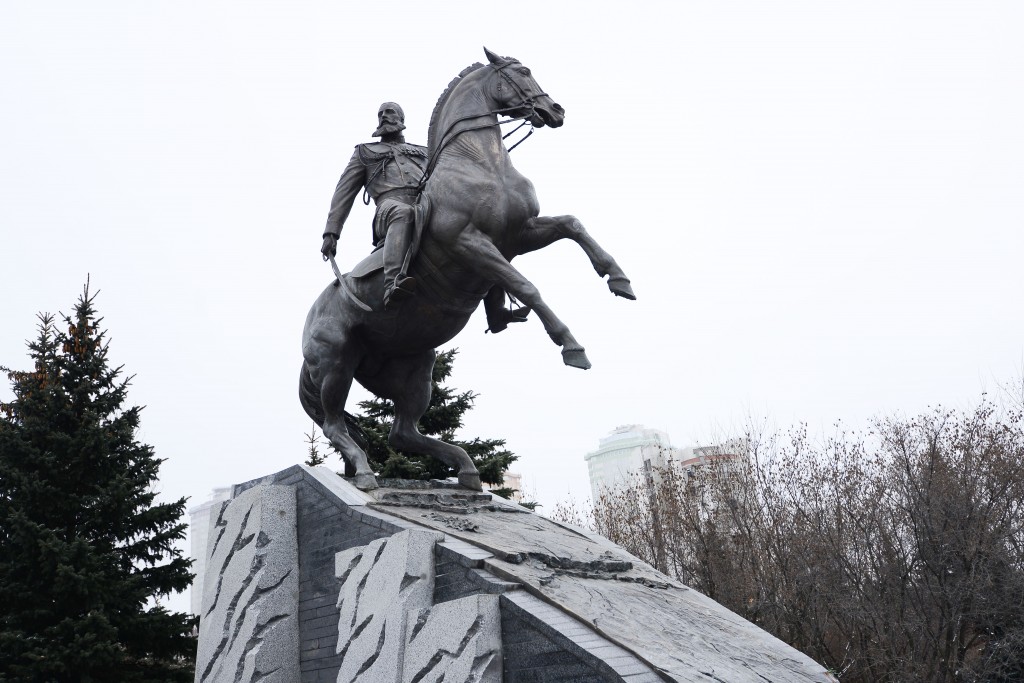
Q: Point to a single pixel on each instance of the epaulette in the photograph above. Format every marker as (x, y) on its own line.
(414, 150)
(368, 156)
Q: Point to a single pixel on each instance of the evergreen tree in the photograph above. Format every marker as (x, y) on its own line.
(84, 550)
(315, 456)
(442, 419)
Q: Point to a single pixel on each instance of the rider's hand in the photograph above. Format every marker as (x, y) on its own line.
(330, 247)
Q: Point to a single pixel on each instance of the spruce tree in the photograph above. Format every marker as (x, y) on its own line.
(84, 548)
(442, 419)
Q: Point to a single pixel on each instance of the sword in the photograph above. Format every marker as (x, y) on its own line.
(334, 267)
(349, 292)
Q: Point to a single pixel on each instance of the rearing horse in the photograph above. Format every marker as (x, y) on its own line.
(480, 213)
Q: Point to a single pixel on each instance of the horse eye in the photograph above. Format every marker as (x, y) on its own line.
(524, 71)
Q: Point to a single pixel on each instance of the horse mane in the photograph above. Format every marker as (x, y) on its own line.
(435, 116)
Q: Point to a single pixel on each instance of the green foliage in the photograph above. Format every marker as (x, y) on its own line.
(315, 456)
(508, 493)
(84, 548)
(504, 492)
(442, 419)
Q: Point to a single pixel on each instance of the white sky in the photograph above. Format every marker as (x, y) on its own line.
(820, 206)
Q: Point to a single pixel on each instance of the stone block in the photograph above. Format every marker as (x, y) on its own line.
(381, 582)
(249, 623)
(458, 640)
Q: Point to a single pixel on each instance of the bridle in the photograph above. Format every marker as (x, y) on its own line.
(526, 99)
(450, 134)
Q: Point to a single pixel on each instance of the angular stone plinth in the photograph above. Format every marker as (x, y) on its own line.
(427, 582)
(249, 624)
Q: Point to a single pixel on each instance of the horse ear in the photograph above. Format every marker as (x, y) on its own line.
(493, 58)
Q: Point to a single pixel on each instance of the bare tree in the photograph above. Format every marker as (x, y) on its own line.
(894, 555)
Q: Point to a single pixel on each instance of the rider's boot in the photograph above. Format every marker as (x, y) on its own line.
(397, 285)
(499, 317)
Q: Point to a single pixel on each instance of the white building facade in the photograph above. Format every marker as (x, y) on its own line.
(628, 449)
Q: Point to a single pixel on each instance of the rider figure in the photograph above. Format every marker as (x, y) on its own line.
(390, 172)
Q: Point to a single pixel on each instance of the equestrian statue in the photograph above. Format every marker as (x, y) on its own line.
(449, 221)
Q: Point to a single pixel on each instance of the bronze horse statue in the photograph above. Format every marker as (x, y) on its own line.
(478, 213)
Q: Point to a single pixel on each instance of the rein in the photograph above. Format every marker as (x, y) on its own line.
(521, 141)
(448, 137)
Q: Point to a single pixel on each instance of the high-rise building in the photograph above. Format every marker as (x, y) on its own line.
(628, 449)
(727, 454)
(634, 448)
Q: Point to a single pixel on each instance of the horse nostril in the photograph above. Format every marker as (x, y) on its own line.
(557, 107)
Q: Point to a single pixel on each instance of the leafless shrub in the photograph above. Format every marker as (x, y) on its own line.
(571, 512)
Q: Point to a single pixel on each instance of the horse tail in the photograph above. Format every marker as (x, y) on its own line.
(309, 396)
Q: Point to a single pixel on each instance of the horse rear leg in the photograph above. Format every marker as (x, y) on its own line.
(334, 393)
(540, 231)
(406, 381)
(475, 251)
(327, 368)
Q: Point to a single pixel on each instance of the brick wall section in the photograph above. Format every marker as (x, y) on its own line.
(458, 572)
(531, 657)
(543, 643)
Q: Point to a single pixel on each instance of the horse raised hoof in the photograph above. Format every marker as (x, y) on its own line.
(471, 480)
(365, 482)
(619, 286)
(576, 358)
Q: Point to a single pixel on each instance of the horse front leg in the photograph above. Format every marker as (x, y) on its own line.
(540, 231)
(477, 252)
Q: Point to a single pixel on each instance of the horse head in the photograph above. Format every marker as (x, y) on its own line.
(515, 92)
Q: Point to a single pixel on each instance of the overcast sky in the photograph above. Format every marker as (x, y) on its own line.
(820, 206)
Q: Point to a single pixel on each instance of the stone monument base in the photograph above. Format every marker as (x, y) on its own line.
(310, 579)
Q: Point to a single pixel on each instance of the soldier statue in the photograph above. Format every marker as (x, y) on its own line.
(482, 214)
(389, 171)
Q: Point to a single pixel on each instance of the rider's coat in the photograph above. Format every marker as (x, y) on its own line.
(389, 172)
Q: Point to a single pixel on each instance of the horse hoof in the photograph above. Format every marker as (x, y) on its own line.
(576, 358)
(471, 480)
(366, 482)
(619, 286)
